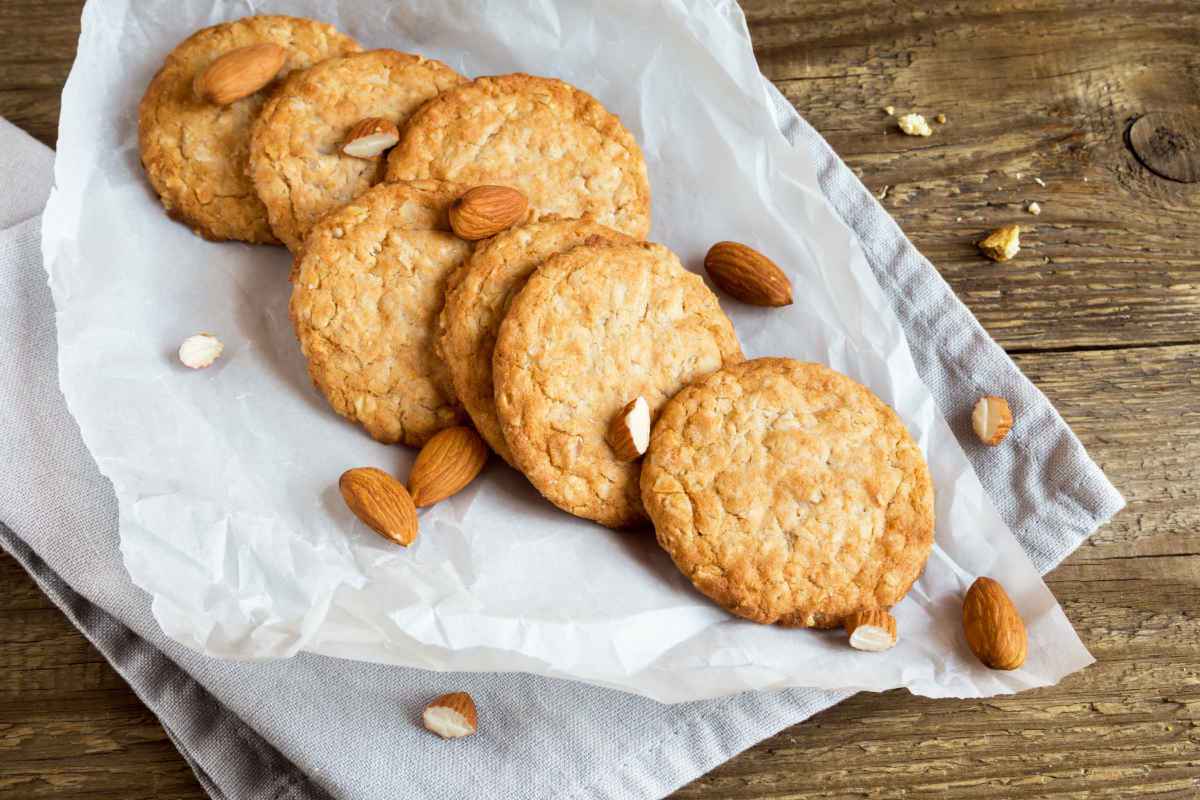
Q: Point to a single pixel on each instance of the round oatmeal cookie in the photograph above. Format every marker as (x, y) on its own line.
(366, 294)
(556, 143)
(296, 160)
(481, 293)
(594, 328)
(788, 493)
(196, 153)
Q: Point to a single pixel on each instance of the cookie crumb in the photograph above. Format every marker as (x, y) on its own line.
(1035, 208)
(1002, 243)
(914, 125)
(883, 193)
(889, 110)
(940, 119)
(1042, 183)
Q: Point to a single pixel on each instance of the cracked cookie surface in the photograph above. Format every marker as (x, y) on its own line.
(195, 153)
(554, 142)
(365, 299)
(593, 328)
(789, 493)
(480, 297)
(296, 161)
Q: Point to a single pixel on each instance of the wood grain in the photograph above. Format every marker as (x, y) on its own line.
(1101, 310)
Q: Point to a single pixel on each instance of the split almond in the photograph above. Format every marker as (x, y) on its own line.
(629, 432)
(486, 210)
(994, 628)
(992, 419)
(239, 73)
(381, 502)
(451, 716)
(873, 630)
(200, 351)
(748, 275)
(1002, 243)
(447, 463)
(370, 137)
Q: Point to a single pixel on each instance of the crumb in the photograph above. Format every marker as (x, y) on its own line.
(1042, 183)
(958, 219)
(1002, 243)
(1085, 179)
(1035, 208)
(940, 119)
(1019, 176)
(883, 193)
(914, 125)
(889, 110)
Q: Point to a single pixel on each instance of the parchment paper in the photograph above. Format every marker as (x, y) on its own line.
(226, 478)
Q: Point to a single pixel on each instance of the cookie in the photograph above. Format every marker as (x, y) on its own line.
(556, 143)
(788, 493)
(296, 161)
(366, 294)
(195, 153)
(594, 328)
(482, 292)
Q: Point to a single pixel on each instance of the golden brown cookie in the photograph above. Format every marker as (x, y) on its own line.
(479, 298)
(296, 161)
(365, 299)
(195, 152)
(789, 493)
(556, 143)
(594, 328)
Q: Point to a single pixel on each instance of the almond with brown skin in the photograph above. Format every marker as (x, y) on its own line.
(381, 502)
(629, 431)
(239, 73)
(370, 137)
(451, 716)
(446, 464)
(873, 630)
(994, 628)
(992, 419)
(484, 211)
(748, 275)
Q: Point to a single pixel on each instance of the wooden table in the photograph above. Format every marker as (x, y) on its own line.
(1101, 310)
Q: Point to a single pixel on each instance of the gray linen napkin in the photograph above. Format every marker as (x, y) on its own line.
(311, 727)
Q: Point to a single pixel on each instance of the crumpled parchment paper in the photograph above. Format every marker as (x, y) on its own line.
(230, 515)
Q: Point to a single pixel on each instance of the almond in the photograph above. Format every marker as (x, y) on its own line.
(380, 501)
(451, 716)
(873, 630)
(1002, 243)
(993, 627)
(370, 137)
(447, 463)
(200, 351)
(486, 210)
(992, 419)
(748, 275)
(239, 73)
(629, 431)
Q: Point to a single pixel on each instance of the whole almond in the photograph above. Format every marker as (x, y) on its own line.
(451, 716)
(239, 73)
(994, 628)
(748, 275)
(380, 501)
(484, 211)
(873, 630)
(447, 463)
(370, 137)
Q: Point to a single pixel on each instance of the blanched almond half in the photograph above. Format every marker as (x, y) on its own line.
(451, 716)
(873, 630)
(200, 351)
(992, 419)
(629, 432)
(370, 137)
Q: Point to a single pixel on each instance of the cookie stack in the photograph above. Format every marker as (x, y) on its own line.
(785, 491)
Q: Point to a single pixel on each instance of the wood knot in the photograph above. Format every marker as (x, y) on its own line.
(1168, 144)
